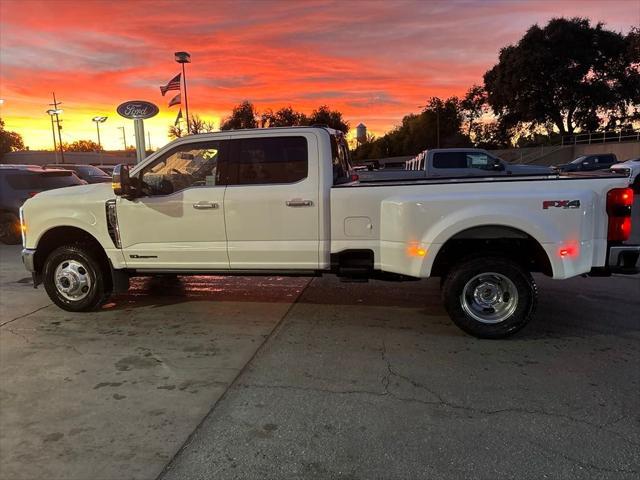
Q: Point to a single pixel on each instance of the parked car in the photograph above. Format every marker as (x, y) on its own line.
(589, 163)
(631, 168)
(20, 182)
(283, 201)
(88, 173)
(454, 162)
(108, 169)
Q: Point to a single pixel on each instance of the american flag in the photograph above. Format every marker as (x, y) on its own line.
(174, 84)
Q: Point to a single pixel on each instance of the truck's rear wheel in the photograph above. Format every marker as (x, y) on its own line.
(74, 279)
(490, 297)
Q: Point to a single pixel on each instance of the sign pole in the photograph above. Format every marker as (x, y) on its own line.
(138, 125)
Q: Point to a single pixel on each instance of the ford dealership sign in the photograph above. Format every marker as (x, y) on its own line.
(137, 109)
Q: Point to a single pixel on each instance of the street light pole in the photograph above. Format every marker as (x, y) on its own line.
(184, 57)
(53, 132)
(124, 138)
(56, 111)
(98, 121)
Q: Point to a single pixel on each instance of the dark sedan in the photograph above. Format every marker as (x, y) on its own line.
(88, 173)
(20, 182)
(588, 163)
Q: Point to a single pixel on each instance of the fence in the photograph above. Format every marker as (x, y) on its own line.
(601, 137)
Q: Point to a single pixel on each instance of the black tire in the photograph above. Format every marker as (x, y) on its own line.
(636, 185)
(505, 282)
(98, 288)
(10, 229)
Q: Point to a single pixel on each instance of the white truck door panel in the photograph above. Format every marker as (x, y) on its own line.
(183, 230)
(178, 223)
(272, 207)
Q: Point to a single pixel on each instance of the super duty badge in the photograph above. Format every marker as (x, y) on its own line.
(546, 204)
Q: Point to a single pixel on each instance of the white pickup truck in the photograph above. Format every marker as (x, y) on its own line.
(283, 201)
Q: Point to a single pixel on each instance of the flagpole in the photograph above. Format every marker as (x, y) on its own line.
(186, 101)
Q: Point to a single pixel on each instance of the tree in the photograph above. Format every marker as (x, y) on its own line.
(243, 116)
(176, 131)
(568, 73)
(439, 123)
(82, 146)
(285, 117)
(198, 125)
(473, 105)
(331, 118)
(9, 141)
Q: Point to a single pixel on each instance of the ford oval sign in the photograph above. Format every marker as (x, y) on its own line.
(137, 109)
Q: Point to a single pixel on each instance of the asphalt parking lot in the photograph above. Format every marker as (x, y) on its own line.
(209, 377)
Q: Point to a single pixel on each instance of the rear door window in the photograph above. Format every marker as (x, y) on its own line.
(266, 161)
(450, 160)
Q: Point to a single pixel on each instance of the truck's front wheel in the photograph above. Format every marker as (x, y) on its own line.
(490, 297)
(74, 279)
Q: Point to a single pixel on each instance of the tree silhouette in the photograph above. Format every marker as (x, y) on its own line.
(331, 118)
(569, 73)
(9, 141)
(285, 117)
(243, 116)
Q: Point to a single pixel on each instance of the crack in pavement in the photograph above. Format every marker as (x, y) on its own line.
(234, 382)
(439, 401)
(43, 344)
(25, 315)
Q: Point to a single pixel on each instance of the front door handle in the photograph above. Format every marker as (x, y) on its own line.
(296, 202)
(205, 205)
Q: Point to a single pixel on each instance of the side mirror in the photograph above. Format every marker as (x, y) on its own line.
(498, 166)
(120, 181)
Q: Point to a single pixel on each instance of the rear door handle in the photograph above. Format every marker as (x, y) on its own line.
(296, 202)
(205, 205)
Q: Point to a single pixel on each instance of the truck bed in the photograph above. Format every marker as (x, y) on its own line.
(403, 177)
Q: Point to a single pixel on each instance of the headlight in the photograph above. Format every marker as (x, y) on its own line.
(112, 222)
(23, 229)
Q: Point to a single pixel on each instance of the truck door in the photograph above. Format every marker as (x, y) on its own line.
(271, 202)
(178, 221)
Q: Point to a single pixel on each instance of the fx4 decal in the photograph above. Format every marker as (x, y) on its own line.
(546, 204)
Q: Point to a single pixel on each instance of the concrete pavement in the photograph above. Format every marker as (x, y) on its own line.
(366, 381)
(114, 394)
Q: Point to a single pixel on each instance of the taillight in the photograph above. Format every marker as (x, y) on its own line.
(619, 202)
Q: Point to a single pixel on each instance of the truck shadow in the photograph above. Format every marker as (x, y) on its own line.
(572, 308)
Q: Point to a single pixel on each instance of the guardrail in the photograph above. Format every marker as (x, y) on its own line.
(601, 137)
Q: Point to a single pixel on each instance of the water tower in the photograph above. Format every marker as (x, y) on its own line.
(361, 133)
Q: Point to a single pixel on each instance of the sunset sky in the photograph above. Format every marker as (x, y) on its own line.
(375, 61)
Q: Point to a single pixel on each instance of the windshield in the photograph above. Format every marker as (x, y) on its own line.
(91, 170)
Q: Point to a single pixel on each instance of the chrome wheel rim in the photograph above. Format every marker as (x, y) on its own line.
(73, 280)
(489, 298)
